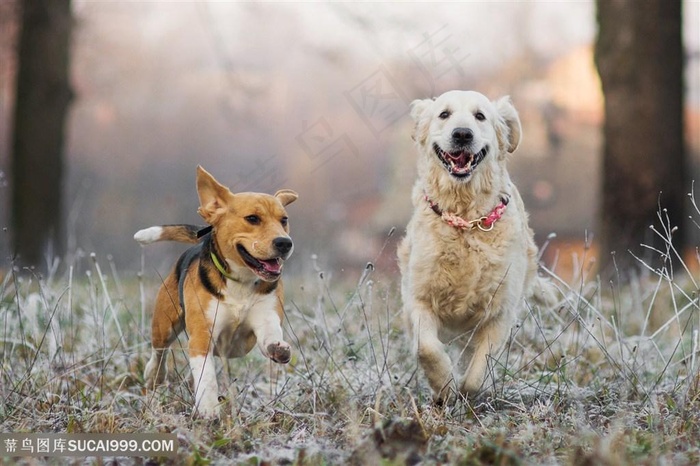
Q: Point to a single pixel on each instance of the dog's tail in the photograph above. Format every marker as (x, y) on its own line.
(179, 233)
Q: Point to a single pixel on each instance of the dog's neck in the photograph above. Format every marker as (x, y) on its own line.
(470, 198)
(220, 267)
(212, 251)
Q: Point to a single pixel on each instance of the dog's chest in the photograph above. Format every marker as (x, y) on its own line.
(470, 263)
(467, 272)
(239, 300)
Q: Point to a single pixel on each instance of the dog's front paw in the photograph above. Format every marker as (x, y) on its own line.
(209, 414)
(280, 352)
(207, 408)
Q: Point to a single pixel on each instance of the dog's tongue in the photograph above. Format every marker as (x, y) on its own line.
(459, 159)
(272, 265)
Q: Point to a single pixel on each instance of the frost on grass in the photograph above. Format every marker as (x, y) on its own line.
(608, 376)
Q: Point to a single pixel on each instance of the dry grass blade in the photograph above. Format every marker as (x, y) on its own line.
(606, 377)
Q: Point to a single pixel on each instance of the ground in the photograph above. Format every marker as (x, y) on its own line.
(611, 375)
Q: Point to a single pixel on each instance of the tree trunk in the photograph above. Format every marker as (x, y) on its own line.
(639, 55)
(41, 105)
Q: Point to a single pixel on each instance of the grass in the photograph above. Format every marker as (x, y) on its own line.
(610, 376)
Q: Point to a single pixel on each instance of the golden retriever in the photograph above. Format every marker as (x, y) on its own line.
(468, 258)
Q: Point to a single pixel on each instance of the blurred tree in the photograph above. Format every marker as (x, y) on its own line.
(42, 97)
(639, 56)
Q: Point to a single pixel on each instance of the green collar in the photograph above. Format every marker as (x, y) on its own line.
(220, 268)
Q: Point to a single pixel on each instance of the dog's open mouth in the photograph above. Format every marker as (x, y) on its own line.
(267, 269)
(460, 163)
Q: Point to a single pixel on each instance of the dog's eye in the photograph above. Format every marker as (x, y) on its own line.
(253, 219)
(444, 115)
(284, 221)
(479, 116)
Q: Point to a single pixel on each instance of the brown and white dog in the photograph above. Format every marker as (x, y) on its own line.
(468, 258)
(225, 291)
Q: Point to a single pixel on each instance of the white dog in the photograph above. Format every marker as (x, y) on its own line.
(468, 258)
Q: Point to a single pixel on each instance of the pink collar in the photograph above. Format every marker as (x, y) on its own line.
(482, 223)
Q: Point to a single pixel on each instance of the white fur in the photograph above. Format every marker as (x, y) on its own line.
(148, 235)
(243, 310)
(205, 386)
(240, 312)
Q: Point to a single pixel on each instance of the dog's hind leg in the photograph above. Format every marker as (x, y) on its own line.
(156, 369)
(167, 324)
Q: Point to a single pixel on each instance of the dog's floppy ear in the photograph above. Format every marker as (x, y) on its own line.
(214, 198)
(509, 129)
(419, 112)
(418, 107)
(286, 196)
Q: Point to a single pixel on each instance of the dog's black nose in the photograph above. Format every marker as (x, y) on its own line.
(462, 136)
(282, 244)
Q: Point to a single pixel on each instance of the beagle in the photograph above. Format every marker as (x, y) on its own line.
(226, 290)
